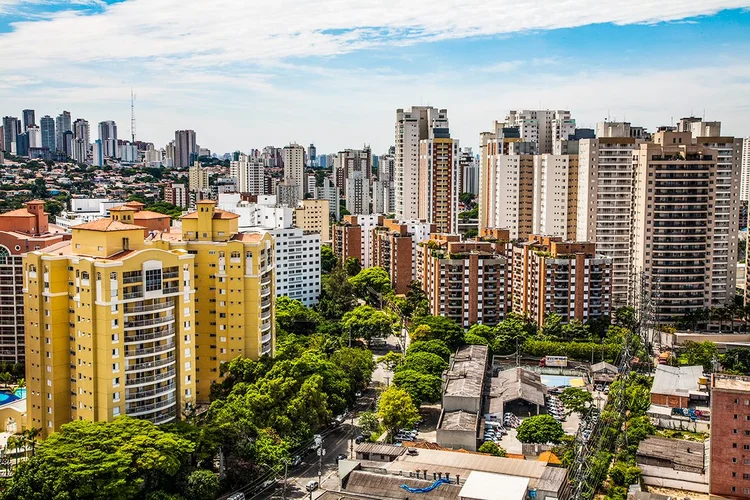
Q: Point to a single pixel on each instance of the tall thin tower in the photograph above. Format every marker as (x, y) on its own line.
(132, 116)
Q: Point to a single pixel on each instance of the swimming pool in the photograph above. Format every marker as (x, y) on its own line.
(7, 397)
(20, 393)
(561, 381)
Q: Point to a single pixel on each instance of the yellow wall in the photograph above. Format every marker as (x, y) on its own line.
(314, 215)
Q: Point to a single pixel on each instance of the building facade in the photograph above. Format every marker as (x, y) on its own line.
(565, 278)
(352, 237)
(358, 193)
(745, 176)
(185, 148)
(314, 216)
(730, 437)
(555, 195)
(249, 172)
(294, 167)
(394, 248)
(47, 124)
(107, 136)
(439, 180)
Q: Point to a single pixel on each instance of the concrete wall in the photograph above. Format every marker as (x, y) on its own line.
(681, 424)
(457, 439)
(664, 477)
(454, 403)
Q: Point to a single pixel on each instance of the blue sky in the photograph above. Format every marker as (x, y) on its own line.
(249, 74)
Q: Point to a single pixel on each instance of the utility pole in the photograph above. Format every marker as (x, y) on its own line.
(132, 116)
(321, 452)
(283, 487)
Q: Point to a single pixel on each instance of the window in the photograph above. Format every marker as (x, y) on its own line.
(153, 280)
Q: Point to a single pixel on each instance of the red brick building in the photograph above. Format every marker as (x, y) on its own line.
(21, 231)
(729, 468)
(391, 249)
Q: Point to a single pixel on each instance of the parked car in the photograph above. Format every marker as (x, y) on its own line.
(359, 439)
(296, 461)
(341, 456)
(311, 485)
(412, 451)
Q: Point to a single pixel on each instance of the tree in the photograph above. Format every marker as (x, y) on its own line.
(492, 449)
(119, 460)
(201, 484)
(625, 317)
(367, 323)
(369, 423)
(358, 366)
(473, 339)
(434, 346)
(577, 400)
(422, 387)
(424, 362)
(396, 409)
(337, 295)
(484, 331)
(352, 266)
(510, 333)
(441, 328)
(700, 353)
(328, 259)
(575, 330)
(737, 360)
(466, 198)
(540, 429)
(293, 317)
(371, 283)
(552, 328)
(391, 360)
(416, 303)
(5, 378)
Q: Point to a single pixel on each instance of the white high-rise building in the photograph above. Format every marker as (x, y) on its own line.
(108, 136)
(62, 125)
(511, 201)
(294, 167)
(605, 179)
(351, 160)
(543, 127)
(745, 182)
(358, 193)
(328, 191)
(297, 252)
(35, 136)
(555, 195)
(249, 172)
(411, 127)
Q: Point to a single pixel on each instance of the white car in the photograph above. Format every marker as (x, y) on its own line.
(311, 485)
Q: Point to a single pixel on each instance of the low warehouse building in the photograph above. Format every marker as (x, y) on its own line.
(458, 430)
(673, 463)
(513, 387)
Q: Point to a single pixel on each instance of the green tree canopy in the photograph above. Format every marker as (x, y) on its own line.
(201, 484)
(512, 331)
(441, 328)
(699, 353)
(367, 323)
(433, 346)
(552, 328)
(540, 429)
(328, 259)
(358, 366)
(369, 422)
(293, 317)
(577, 400)
(337, 295)
(98, 460)
(424, 362)
(575, 330)
(422, 387)
(396, 409)
(391, 360)
(486, 332)
(473, 339)
(492, 449)
(371, 281)
(352, 266)
(737, 360)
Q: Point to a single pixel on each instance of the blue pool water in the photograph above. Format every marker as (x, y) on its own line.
(20, 393)
(557, 380)
(7, 397)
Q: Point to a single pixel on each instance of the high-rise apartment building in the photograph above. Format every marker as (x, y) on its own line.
(108, 138)
(185, 148)
(177, 194)
(10, 133)
(745, 176)
(109, 328)
(97, 153)
(314, 215)
(21, 231)
(555, 195)
(197, 177)
(358, 193)
(394, 248)
(47, 124)
(352, 237)
(566, 278)
(328, 191)
(249, 172)
(412, 126)
(312, 155)
(29, 119)
(233, 277)
(605, 187)
(63, 124)
(349, 161)
(294, 167)
(542, 127)
(469, 168)
(35, 136)
(465, 280)
(730, 437)
(82, 131)
(439, 179)
(675, 221)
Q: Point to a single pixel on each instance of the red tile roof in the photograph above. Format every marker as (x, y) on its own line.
(107, 225)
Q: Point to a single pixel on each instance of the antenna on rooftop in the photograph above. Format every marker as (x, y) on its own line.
(132, 115)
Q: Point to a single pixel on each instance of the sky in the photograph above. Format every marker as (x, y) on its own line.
(249, 73)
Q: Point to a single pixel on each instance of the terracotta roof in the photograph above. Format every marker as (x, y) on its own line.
(107, 225)
(218, 214)
(21, 212)
(247, 237)
(122, 208)
(148, 214)
(35, 201)
(135, 204)
(549, 457)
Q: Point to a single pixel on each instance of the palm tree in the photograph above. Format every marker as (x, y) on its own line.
(31, 434)
(5, 378)
(21, 382)
(14, 442)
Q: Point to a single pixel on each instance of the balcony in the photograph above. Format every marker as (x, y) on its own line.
(163, 417)
(170, 275)
(149, 322)
(170, 289)
(141, 308)
(151, 364)
(132, 279)
(150, 393)
(150, 379)
(140, 409)
(159, 334)
(132, 295)
(169, 346)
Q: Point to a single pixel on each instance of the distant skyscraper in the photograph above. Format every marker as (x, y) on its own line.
(543, 127)
(62, 125)
(22, 144)
(97, 155)
(411, 127)
(438, 179)
(81, 130)
(10, 133)
(185, 148)
(745, 183)
(28, 119)
(249, 174)
(312, 154)
(48, 132)
(294, 167)
(108, 136)
(350, 161)
(35, 136)
(68, 143)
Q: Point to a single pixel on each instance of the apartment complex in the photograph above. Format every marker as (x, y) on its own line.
(185, 148)
(358, 193)
(605, 184)
(250, 175)
(680, 240)
(109, 327)
(352, 237)
(394, 248)
(439, 179)
(465, 280)
(542, 127)
(555, 195)
(745, 169)
(566, 278)
(21, 231)
(349, 161)
(177, 194)
(412, 126)
(294, 168)
(730, 437)
(314, 216)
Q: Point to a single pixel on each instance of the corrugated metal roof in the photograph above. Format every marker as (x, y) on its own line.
(486, 486)
(380, 449)
(682, 454)
(676, 380)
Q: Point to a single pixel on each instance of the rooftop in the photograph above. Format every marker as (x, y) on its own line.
(729, 382)
(380, 449)
(459, 421)
(517, 383)
(107, 225)
(386, 486)
(681, 454)
(676, 380)
(466, 375)
(20, 212)
(485, 486)
(218, 214)
(603, 366)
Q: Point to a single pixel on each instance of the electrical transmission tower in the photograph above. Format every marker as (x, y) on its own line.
(132, 116)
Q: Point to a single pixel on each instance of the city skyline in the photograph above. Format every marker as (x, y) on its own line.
(277, 85)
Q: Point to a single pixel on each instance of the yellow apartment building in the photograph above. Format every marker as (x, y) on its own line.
(233, 277)
(314, 215)
(109, 328)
